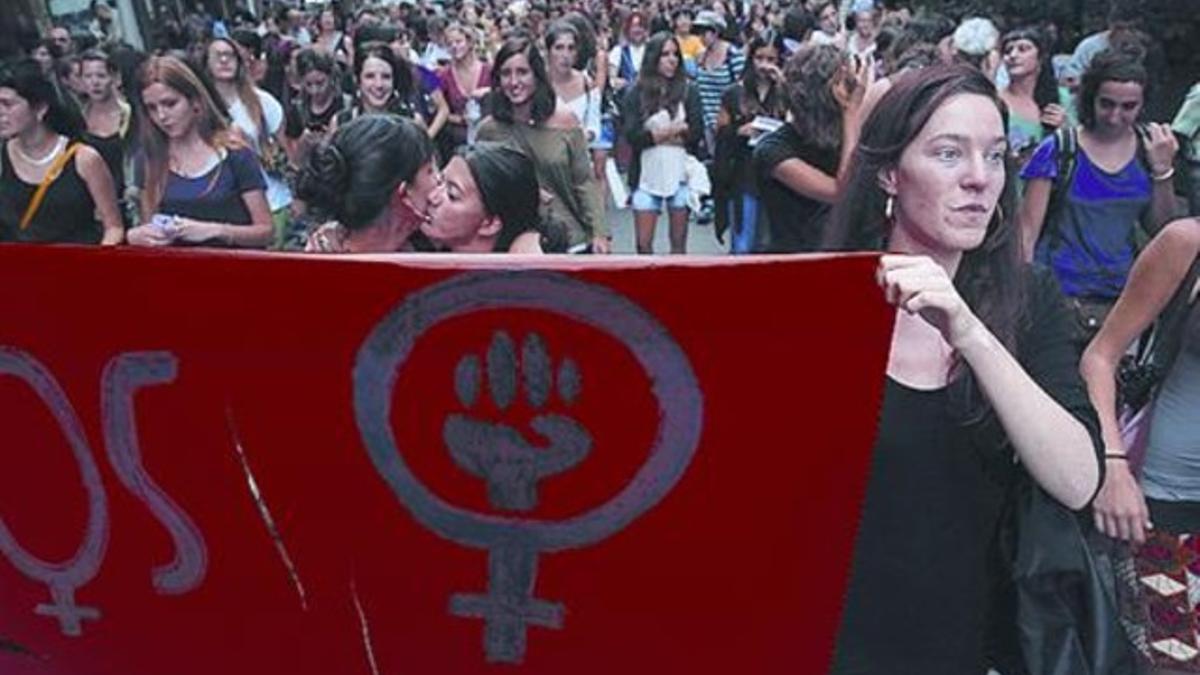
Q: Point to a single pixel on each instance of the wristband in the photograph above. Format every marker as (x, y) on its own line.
(1116, 455)
(1164, 176)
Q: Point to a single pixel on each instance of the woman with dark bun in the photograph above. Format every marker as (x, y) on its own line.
(488, 203)
(373, 179)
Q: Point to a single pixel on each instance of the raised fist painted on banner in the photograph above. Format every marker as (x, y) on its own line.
(498, 452)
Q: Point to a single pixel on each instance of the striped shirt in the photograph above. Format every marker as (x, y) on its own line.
(713, 83)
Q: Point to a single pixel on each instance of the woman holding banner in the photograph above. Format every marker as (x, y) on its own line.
(981, 378)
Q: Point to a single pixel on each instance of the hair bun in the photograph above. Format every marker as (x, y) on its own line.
(325, 179)
(329, 165)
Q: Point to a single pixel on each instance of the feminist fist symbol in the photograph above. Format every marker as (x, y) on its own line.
(498, 453)
(501, 456)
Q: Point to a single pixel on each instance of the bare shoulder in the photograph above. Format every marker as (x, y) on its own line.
(562, 119)
(1182, 235)
(87, 160)
(86, 153)
(529, 243)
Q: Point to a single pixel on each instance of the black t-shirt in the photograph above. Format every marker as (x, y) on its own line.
(299, 116)
(923, 579)
(797, 223)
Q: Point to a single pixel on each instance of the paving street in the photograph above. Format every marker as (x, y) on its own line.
(701, 238)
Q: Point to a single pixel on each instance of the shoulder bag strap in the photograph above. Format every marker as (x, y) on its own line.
(1164, 345)
(51, 175)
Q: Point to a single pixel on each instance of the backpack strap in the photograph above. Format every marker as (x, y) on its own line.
(1067, 141)
(1142, 235)
(1143, 132)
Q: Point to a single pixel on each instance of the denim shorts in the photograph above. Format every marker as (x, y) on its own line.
(608, 135)
(644, 201)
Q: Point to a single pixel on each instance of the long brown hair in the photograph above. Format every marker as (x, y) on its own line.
(990, 278)
(658, 93)
(809, 75)
(212, 124)
(244, 83)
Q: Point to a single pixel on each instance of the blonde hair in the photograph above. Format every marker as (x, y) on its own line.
(212, 125)
(466, 31)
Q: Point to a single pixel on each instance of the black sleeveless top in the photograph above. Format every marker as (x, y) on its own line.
(112, 151)
(67, 214)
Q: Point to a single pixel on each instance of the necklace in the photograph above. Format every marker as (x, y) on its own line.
(41, 161)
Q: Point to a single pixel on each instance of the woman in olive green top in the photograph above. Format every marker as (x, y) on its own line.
(526, 114)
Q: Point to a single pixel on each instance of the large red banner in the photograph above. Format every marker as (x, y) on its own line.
(273, 464)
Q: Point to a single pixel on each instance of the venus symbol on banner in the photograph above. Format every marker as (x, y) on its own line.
(61, 578)
(123, 376)
(500, 455)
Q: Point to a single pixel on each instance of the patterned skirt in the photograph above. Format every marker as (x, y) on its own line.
(1158, 590)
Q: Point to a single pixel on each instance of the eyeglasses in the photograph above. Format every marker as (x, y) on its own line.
(223, 55)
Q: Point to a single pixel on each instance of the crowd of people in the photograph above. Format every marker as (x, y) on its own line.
(1028, 211)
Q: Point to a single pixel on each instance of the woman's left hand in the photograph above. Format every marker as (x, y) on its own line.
(601, 245)
(1054, 115)
(748, 130)
(196, 232)
(851, 85)
(1161, 146)
(328, 238)
(774, 72)
(149, 235)
(918, 285)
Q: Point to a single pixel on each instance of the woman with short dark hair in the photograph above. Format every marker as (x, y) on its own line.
(52, 185)
(1036, 105)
